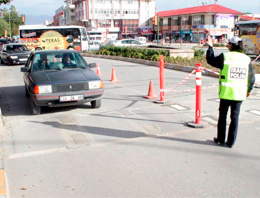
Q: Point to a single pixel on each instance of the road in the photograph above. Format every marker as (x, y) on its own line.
(131, 146)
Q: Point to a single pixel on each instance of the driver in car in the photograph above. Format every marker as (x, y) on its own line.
(66, 61)
(43, 63)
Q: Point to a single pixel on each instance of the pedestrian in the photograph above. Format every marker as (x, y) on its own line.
(235, 84)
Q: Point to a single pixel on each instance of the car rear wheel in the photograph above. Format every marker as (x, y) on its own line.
(38, 48)
(36, 110)
(96, 103)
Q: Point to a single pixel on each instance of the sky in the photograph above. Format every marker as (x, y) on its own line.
(48, 7)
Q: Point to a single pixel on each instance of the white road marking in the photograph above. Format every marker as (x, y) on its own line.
(35, 153)
(178, 107)
(255, 112)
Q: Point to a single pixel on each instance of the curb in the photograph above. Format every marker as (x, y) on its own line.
(150, 63)
(4, 191)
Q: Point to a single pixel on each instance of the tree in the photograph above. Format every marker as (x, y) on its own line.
(10, 18)
(3, 26)
(4, 1)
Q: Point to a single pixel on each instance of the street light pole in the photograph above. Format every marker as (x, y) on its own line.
(210, 15)
(10, 26)
(158, 28)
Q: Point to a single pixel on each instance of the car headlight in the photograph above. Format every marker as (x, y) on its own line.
(42, 89)
(13, 57)
(95, 85)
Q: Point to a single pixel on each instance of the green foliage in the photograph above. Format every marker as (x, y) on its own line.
(131, 52)
(154, 55)
(15, 21)
(4, 1)
(198, 52)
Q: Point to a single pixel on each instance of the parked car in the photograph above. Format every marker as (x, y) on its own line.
(141, 39)
(14, 53)
(123, 43)
(56, 78)
(94, 45)
(4, 41)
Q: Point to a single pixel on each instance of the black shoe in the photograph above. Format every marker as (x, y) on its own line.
(229, 145)
(217, 141)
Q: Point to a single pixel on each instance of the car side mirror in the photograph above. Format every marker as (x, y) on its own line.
(24, 69)
(92, 65)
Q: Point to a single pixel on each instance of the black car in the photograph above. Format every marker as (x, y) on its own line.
(56, 78)
(4, 41)
(14, 53)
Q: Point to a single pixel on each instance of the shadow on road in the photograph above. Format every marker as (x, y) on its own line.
(130, 135)
(13, 102)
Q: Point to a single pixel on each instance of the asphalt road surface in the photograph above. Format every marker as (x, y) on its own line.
(131, 146)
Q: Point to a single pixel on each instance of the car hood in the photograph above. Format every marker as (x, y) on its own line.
(63, 76)
(18, 52)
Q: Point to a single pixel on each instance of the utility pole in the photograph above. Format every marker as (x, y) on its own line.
(10, 26)
(158, 24)
(210, 15)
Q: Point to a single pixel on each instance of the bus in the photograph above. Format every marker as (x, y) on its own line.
(97, 36)
(42, 37)
(249, 32)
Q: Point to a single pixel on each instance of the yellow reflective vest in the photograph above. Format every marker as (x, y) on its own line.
(234, 76)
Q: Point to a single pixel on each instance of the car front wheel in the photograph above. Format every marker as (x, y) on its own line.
(36, 110)
(9, 62)
(26, 92)
(96, 103)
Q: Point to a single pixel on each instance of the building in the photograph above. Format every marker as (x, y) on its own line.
(65, 15)
(195, 23)
(119, 18)
(249, 17)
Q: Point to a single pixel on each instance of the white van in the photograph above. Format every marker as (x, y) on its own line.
(141, 39)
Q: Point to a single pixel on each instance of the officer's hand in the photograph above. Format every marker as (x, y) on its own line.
(209, 41)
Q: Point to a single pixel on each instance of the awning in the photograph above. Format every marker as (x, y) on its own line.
(146, 34)
(218, 32)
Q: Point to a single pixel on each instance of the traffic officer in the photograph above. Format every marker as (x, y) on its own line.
(235, 84)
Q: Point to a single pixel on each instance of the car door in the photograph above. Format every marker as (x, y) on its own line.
(1, 51)
(26, 77)
(4, 54)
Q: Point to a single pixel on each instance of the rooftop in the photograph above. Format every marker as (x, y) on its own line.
(213, 8)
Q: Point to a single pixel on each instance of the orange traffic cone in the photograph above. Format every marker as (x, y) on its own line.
(113, 76)
(98, 70)
(151, 94)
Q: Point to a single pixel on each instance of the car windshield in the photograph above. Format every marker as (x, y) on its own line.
(58, 61)
(16, 48)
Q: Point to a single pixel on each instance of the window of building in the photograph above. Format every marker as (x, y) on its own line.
(185, 20)
(175, 21)
(198, 20)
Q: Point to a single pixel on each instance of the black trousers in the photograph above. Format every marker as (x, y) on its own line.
(222, 120)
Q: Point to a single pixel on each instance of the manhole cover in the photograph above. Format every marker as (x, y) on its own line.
(79, 139)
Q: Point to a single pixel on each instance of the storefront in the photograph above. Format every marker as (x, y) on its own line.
(186, 35)
(219, 35)
(146, 32)
(197, 35)
(176, 35)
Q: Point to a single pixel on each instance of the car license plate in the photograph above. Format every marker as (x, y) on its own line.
(23, 59)
(71, 98)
